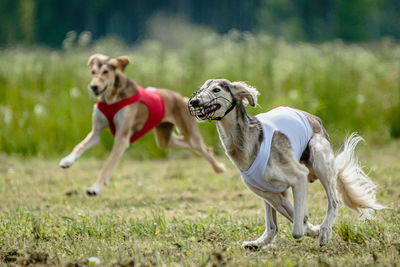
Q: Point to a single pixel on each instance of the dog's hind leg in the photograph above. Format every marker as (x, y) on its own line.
(323, 162)
(166, 138)
(271, 229)
(191, 136)
(198, 147)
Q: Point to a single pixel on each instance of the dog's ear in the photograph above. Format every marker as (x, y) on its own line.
(120, 62)
(243, 91)
(97, 57)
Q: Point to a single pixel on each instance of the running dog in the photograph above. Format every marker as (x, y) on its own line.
(131, 111)
(281, 149)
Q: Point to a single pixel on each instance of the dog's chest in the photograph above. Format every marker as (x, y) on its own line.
(117, 113)
(296, 127)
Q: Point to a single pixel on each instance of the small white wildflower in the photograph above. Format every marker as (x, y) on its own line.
(360, 99)
(75, 92)
(94, 261)
(7, 114)
(40, 110)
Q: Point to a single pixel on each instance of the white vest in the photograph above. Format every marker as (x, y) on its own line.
(290, 122)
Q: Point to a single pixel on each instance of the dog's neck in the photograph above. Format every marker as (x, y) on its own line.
(122, 87)
(241, 136)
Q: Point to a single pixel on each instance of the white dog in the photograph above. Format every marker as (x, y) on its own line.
(284, 148)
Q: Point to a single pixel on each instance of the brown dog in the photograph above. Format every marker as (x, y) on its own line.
(111, 86)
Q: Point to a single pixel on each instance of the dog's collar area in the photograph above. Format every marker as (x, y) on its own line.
(233, 105)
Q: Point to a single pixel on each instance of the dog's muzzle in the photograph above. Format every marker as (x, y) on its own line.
(95, 89)
(205, 110)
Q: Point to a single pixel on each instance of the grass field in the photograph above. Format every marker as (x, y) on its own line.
(180, 214)
(183, 213)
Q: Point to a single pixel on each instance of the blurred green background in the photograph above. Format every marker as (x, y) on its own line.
(338, 59)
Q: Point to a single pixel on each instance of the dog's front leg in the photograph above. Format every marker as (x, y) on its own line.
(121, 143)
(99, 122)
(271, 229)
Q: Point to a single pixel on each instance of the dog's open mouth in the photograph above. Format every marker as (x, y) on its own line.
(96, 93)
(205, 112)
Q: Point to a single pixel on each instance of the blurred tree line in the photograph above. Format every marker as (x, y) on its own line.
(47, 21)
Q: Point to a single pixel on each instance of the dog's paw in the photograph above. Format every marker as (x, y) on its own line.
(220, 168)
(324, 236)
(297, 233)
(67, 162)
(312, 230)
(92, 191)
(252, 245)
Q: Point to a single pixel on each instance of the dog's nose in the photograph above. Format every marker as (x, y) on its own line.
(94, 87)
(194, 102)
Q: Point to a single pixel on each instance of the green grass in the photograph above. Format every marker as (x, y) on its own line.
(45, 106)
(182, 214)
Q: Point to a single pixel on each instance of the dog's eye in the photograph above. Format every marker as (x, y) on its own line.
(105, 72)
(216, 90)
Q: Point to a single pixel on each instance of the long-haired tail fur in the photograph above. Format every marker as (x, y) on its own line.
(355, 188)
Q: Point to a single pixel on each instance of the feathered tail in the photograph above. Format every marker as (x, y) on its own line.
(356, 189)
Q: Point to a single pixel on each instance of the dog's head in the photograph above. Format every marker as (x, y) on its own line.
(104, 71)
(217, 97)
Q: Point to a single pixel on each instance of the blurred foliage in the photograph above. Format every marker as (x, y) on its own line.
(45, 107)
(311, 20)
(46, 22)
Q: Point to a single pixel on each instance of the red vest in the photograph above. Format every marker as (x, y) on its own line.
(151, 98)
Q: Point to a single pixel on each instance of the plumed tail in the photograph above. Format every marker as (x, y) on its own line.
(355, 188)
